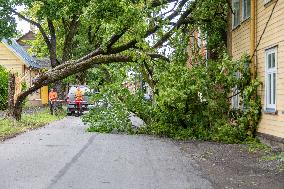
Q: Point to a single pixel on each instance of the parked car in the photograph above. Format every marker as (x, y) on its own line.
(71, 105)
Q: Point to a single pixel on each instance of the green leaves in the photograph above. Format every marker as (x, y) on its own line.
(7, 21)
(3, 88)
(197, 101)
(110, 112)
(211, 18)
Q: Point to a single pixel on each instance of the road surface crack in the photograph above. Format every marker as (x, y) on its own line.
(68, 165)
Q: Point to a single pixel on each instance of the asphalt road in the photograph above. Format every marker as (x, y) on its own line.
(62, 155)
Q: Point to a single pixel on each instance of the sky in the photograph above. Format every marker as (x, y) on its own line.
(22, 25)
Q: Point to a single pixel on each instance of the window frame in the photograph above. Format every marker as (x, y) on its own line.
(246, 15)
(234, 25)
(236, 99)
(270, 85)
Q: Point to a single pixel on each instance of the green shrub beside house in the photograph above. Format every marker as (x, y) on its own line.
(3, 88)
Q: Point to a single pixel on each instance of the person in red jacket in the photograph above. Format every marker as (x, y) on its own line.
(78, 100)
(52, 97)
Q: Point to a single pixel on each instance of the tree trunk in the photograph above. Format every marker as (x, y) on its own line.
(11, 93)
(60, 89)
(17, 112)
(15, 105)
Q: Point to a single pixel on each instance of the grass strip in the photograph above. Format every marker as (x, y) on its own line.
(10, 128)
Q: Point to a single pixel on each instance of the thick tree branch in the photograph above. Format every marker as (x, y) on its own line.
(115, 38)
(52, 31)
(158, 56)
(132, 43)
(68, 41)
(230, 6)
(147, 75)
(52, 48)
(109, 50)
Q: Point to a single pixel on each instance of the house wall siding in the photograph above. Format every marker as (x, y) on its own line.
(13, 63)
(10, 61)
(241, 40)
(272, 37)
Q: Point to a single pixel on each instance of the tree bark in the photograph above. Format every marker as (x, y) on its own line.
(11, 93)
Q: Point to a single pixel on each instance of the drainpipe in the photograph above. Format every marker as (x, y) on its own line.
(253, 38)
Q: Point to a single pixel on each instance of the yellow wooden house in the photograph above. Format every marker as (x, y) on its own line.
(15, 59)
(257, 28)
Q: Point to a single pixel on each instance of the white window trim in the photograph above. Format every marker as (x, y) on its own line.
(236, 99)
(270, 107)
(243, 11)
(233, 15)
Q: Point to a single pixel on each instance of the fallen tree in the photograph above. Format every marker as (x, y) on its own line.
(122, 45)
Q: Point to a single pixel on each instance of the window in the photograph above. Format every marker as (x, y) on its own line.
(236, 95)
(271, 77)
(236, 98)
(236, 13)
(246, 9)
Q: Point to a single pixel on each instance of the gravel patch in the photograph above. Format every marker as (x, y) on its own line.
(232, 166)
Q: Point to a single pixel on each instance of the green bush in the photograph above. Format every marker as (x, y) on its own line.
(196, 103)
(139, 106)
(111, 113)
(3, 88)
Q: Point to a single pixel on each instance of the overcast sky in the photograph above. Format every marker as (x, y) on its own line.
(22, 26)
